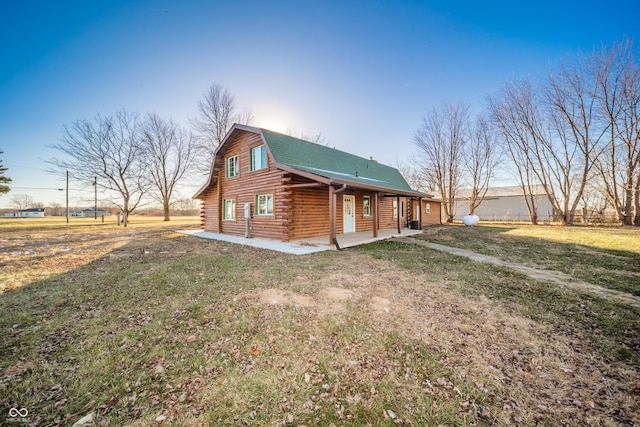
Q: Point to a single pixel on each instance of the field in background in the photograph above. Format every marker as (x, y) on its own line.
(77, 223)
(141, 326)
(32, 249)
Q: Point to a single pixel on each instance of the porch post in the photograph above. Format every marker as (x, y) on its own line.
(399, 214)
(374, 212)
(420, 212)
(332, 215)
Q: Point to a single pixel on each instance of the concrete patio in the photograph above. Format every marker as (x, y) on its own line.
(360, 238)
(304, 246)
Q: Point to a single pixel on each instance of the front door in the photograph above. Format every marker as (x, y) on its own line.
(349, 209)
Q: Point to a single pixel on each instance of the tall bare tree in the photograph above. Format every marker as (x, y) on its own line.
(552, 130)
(440, 140)
(515, 112)
(565, 158)
(109, 148)
(619, 100)
(169, 153)
(411, 172)
(4, 180)
(480, 158)
(215, 115)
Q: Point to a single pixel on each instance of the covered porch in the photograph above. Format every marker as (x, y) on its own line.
(358, 238)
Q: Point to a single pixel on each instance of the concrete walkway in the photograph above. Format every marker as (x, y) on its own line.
(557, 277)
(303, 246)
(256, 242)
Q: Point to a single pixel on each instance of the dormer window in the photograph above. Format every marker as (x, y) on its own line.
(232, 166)
(258, 157)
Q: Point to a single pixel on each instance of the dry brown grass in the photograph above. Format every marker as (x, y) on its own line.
(149, 325)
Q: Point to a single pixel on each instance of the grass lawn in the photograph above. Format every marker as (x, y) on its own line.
(144, 326)
(605, 256)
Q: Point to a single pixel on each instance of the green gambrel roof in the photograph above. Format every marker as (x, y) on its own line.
(333, 164)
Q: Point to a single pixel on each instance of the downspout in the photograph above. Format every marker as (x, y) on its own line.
(332, 214)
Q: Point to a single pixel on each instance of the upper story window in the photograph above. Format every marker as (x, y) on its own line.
(232, 166)
(258, 157)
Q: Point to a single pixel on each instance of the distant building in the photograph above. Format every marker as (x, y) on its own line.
(505, 204)
(31, 213)
(92, 213)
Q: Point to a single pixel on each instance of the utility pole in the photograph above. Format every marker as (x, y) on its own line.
(95, 202)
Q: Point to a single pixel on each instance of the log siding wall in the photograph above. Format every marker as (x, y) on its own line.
(298, 212)
(244, 188)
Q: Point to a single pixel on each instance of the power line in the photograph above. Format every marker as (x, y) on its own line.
(36, 188)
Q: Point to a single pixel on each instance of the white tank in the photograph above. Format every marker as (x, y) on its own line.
(470, 220)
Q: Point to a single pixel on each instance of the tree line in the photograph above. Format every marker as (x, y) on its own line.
(133, 157)
(575, 132)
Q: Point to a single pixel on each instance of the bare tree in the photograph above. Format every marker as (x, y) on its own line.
(619, 100)
(186, 206)
(414, 177)
(441, 140)
(23, 201)
(552, 132)
(480, 160)
(169, 153)
(109, 148)
(215, 115)
(4, 180)
(514, 112)
(565, 157)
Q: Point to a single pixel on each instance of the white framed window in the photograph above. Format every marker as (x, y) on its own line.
(232, 166)
(229, 209)
(428, 208)
(395, 209)
(264, 204)
(258, 157)
(366, 206)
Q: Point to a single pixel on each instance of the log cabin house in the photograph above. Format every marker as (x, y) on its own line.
(293, 189)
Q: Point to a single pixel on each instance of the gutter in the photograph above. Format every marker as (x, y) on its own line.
(334, 232)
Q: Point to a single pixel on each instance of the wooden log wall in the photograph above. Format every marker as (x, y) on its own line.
(243, 189)
(310, 216)
(434, 216)
(310, 210)
(209, 211)
(386, 212)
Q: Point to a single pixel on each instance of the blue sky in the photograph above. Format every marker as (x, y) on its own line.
(362, 73)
